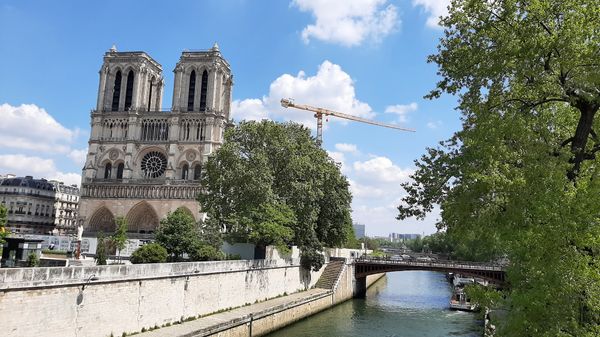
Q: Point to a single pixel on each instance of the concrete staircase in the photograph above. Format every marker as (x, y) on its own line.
(331, 274)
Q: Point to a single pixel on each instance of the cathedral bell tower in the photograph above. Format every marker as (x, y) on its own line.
(203, 83)
(143, 162)
(129, 81)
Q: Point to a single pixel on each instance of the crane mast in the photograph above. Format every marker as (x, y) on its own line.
(320, 112)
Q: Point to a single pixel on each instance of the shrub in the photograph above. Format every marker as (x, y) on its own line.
(206, 252)
(310, 258)
(149, 253)
(33, 260)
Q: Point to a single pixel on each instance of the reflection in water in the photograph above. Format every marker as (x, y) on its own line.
(402, 304)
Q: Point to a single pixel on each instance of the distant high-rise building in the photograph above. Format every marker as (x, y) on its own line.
(359, 230)
(397, 237)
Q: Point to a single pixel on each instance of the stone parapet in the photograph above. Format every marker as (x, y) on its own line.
(27, 278)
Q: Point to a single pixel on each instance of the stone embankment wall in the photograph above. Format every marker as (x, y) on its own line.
(272, 319)
(105, 300)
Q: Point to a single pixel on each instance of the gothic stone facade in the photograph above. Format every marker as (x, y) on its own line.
(143, 162)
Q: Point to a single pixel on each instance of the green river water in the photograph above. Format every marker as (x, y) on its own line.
(402, 304)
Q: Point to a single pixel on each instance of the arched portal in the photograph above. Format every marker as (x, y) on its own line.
(142, 219)
(102, 220)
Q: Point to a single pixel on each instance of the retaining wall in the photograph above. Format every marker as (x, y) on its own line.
(105, 300)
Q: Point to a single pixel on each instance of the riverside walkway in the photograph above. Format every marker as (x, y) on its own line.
(224, 321)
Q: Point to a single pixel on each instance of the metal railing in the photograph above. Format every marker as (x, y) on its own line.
(434, 264)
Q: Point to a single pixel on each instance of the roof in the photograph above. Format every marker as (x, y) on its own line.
(28, 181)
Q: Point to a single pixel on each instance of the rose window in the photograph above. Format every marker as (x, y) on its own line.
(154, 164)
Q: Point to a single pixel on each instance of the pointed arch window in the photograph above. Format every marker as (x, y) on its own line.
(197, 172)
(120, 169)
(116, 92)
(184, 172)
(192, 91)
(203, 90)
(129, 90)
(107, 171)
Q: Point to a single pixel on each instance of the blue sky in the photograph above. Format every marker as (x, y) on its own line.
(362, 57)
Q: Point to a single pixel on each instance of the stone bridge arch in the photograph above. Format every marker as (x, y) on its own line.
(492, 273)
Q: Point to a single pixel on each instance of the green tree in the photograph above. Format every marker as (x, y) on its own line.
(33, 260)
(521, 178)
(264, 170)
(149, 253)
(101, 250)
(206, 252)
(3, 231)
(271, 224)
(178, 234)
(119, 238)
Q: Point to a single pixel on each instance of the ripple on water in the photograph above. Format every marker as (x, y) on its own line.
(404, 304)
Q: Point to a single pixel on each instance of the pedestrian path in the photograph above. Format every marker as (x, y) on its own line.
(225, 320)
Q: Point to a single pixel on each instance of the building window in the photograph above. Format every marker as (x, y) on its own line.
(154, 164)
(184, 172)
(192, 91)
(197, 172)
(107, 171)
(120, 171)
(129, 90)
(203, 90)
(116, 92)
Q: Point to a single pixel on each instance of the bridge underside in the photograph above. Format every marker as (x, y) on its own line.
(365, 269)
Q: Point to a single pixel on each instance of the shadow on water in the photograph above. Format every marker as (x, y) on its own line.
(402, 304)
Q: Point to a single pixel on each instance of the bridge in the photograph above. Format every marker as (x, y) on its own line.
(365, 266)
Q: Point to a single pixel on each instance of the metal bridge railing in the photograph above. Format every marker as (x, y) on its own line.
(434, 264)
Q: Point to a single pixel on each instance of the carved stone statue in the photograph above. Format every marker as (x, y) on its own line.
(79, 231)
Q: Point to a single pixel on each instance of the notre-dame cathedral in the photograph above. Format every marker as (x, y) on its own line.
(144, 162)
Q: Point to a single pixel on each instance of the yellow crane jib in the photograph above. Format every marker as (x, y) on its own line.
(319, 112)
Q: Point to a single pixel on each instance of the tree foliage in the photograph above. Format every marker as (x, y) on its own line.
(3, 220)
(33, 260)
(149, 253)
(119, 238)
(271, 184)
(178, 234)
(101, 250)
(521, 178)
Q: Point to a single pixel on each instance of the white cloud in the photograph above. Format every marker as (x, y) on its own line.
(375, 186)
(348, 148)
(78, 156)
(381, 170)
(338, 157)
(331, 88)
(29, 127)
(37, 167)
(435, 8)
(434, 125)
(348, 22)
(402, 110)
(249, 109)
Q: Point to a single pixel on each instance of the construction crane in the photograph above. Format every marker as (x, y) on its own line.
(320, 112)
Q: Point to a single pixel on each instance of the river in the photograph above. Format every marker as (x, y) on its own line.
(402, 304)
